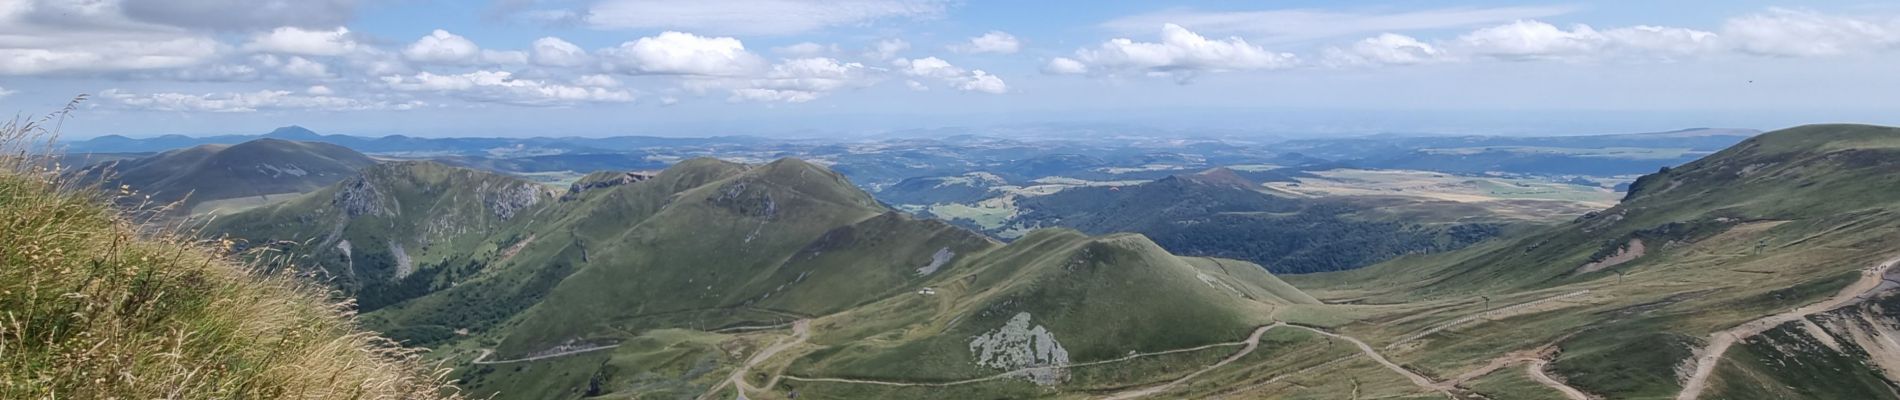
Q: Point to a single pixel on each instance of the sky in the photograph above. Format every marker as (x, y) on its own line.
(799, 68)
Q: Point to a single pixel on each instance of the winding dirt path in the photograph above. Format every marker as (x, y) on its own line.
(1872, 280)
(482, 359)
(1247, 344)
(1536, 369)
(801, 330)
(1419, 380)
(1253, 341)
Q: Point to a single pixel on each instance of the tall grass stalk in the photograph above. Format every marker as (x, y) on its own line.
(93, 305)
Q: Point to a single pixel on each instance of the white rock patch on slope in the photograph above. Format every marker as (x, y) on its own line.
(1019, 346)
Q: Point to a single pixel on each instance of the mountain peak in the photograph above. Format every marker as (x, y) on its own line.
(293, 132)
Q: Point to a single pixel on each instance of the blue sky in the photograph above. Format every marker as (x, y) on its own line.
(849, 67)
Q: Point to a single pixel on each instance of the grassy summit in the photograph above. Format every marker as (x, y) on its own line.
(96, 307)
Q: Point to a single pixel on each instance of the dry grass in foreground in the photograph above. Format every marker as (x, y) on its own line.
(94, 307)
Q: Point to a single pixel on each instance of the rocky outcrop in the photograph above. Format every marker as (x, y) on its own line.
(359, 197)
(1019, 346)
(508, 200)
(592, 183)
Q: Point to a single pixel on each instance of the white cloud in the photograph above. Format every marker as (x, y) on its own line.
(1526, 40)
(554, 52)
(503, 87)
(110, 55)
(678, 53)
(1663, 42)
(226, 102)
(1802, 33)
(1387, 48)
(998, 42)
(504, 57)
(1536, 40)
(803, 79)
(42, 37)
(965, 80)
(442, 47)
(4, 92)
(300, 41)
(915, 85)
(748, 17)
(300, 67)
(319, 90)
(597, 80)
(806, 49)
(980, 81)
(1293, 25)
(1065, 66)
(887, 49)
(1182, 54)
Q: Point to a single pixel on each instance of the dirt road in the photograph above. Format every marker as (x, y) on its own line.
(1253, 341)
(1420, 380)
(801, 330)
(483, 359)
(1536, 368)
(1872, 280)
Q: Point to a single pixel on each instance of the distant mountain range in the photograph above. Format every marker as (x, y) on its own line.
(397, 143)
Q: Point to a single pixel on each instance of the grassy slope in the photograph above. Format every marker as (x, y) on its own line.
(437, 217)
(95, 309)
(1778, 221)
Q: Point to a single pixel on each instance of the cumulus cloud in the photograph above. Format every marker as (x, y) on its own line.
(300, 41)
(744, 17)
(679, 53)
(504, 87)
(805, 49)
(800, 80)
(300, 67)
(998, 42)
(319, 90)
(887, 49)
(230, 102)
(4, 92)
(1537, 40)
(554, 52)
(965, 80)
(1801, 33)
(1181, 54)
(1293, 25)
(1384, 49)
(442, 47)
(1065, 66)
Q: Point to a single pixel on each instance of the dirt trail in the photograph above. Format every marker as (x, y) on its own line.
(1420, 380)
(801, 330)
(1872, 280)
(1505, 312)
(481, 360)
(1536, 359)
(1536, 368)
(1253, 341)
